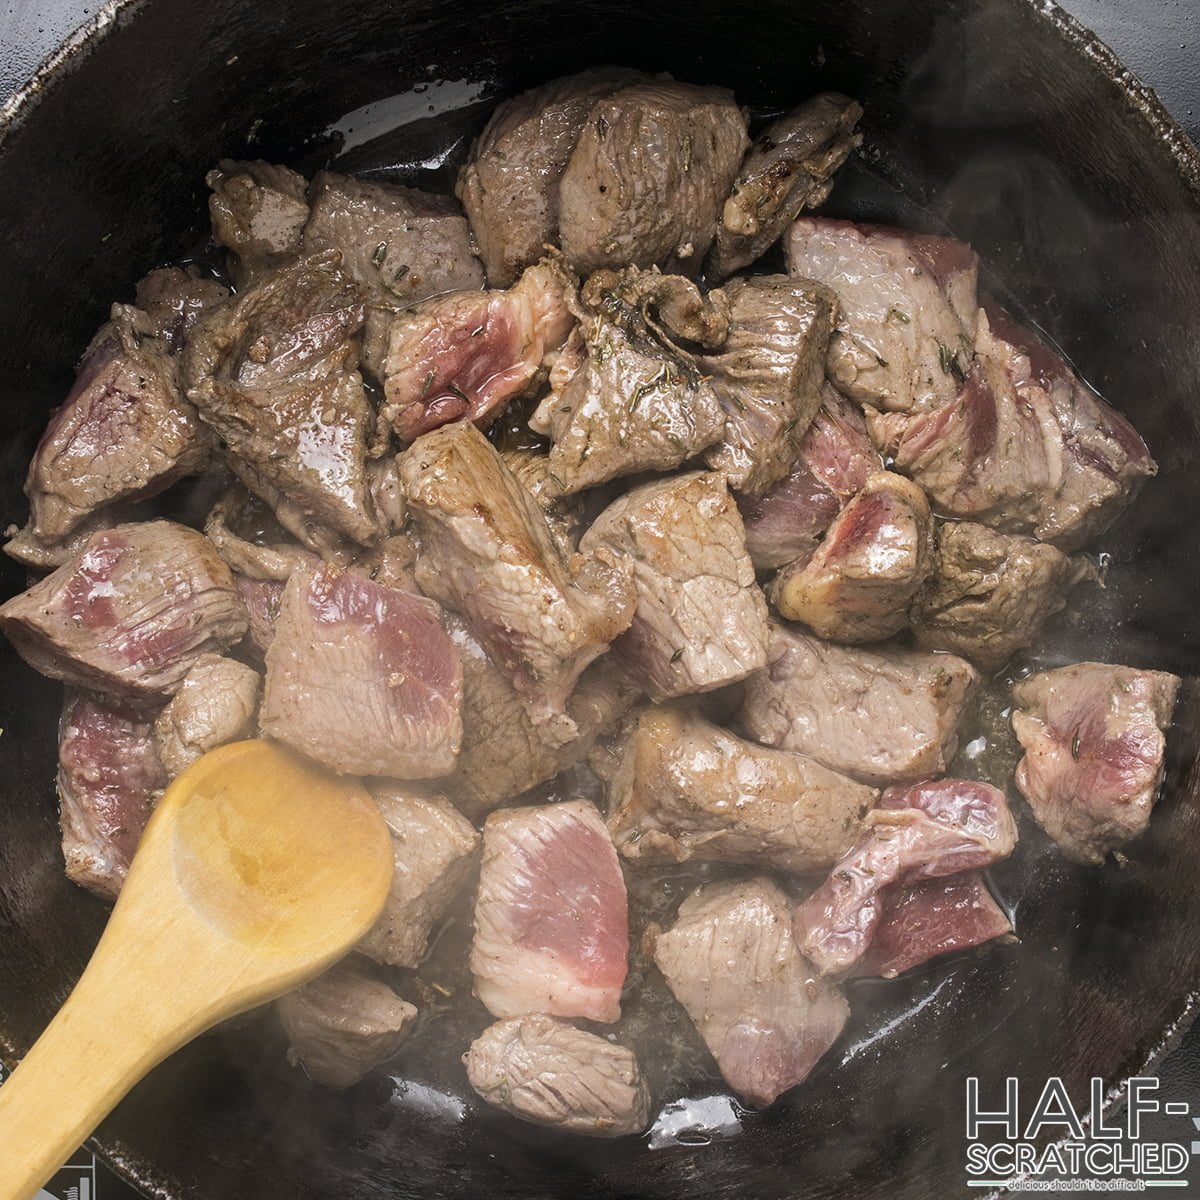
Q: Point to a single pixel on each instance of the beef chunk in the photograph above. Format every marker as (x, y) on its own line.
(124, 431)
(250, 540)
(130, 613)
(503, 753)
(1093, 740)
(509, 185)
(262, 598)
(174, 298)
(701, 621)
(215, 704)
(400, 245)
(488, 553)
(343, 1024)
(109, 780)
(687, 789)
(925, 831)
(258, 211)
(768, 376)
(363, 678)
(44, 554)
(274, 372)
(881, 716)
(925, 920)
(564, 514)
(834, 461)
(907, 309)
(637, 402)
(551, 1073)
(433, 847)
(733, 963)
(790, 167)
(858, 583)
(551, 921)
(465, 355)
(990, 593)
(648, 175)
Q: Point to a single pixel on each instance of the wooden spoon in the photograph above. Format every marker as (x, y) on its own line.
(256, 872)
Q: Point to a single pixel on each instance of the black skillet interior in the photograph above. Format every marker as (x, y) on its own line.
(995, 120)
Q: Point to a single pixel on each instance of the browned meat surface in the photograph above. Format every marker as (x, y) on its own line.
(925, 831)
(262, 598)
(502, 753)
(274, 372)
(646, 180)
(882, 716)
(173, 298)
(391, 562)
(551, 1073)
(487, 553)
(907, 310)
(124, 431)
(990, 593)
(109, 780)
(44, 554)
(733, 963)
(858, 583)
(344, 1024)
(924, 920)
(768, 376)
(363, 678)
(564, 514)
(250, 540)
(687, 789)
(216, 703)
(701, 620)
(131, 613)
(789, 168)
(433, 847)
(400, 245)
(509, 185)
(636, 401)
(551, 922)
(834, 460)
(258, 211)
(1093, 740)
(465, 355)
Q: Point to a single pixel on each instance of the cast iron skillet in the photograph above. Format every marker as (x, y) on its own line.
(1003, 121)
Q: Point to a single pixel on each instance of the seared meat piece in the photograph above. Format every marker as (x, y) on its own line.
(858, 583)
(465, 355)
(1093, 740)
(44, 554)
(564, 515)
(645, 183)
(363, 678)
(733, 963)
(990, 593)
(433, 846)
(880, 716)
(391, 563)
(920, 832)
(344, 1023)
(835, 459)
(551, 921)
(487, 552)
(399, 244)
(701, 621)
(637, 402)
(250, 540)
(109, 780)
(687, 789)
(509, 185)
(174, 298)
(131, 613)
(503, 754)
(932, 917)
(768, 376)
(262, 598)
(551, 1073)
(273, 371)
(215, 704)
(258, 211)
(906, 305)
(124, 431)
(789, 168)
